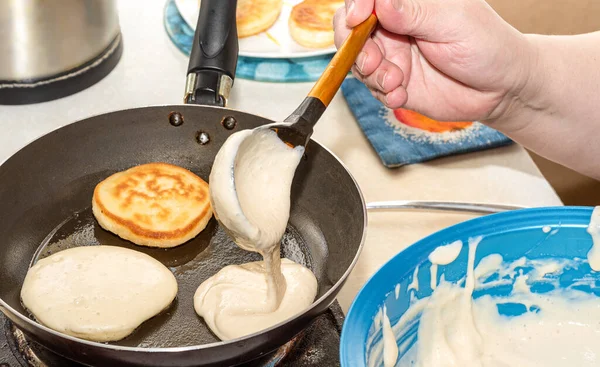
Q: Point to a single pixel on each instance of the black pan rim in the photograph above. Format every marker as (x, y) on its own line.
(334, 289)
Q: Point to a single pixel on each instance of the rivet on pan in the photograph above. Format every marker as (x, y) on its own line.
(229, 122)
(202, 138)
(176, 119)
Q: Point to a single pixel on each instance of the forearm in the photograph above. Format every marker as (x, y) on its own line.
(557, 112)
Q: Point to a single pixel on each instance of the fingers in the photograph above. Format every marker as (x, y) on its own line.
(385, 84)
(423, 19)
(371, 55)
(385, 78)
(382, 76)
(396, 98)
(393, 100)
(357, 11)
(340, 27)
(370, 58)
(402, 16)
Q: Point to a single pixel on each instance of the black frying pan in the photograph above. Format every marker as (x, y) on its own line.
(46, 191)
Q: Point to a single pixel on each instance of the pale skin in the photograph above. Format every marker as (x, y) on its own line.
(457, 60)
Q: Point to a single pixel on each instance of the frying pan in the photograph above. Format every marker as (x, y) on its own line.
(46, 190)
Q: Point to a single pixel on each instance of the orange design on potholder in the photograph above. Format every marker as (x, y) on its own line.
(416, 120)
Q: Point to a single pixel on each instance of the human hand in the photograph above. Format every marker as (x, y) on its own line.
(452, 60)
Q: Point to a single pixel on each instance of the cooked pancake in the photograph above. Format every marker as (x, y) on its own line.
(256, 16)
(311, 22)
(99, 293)
(155, 205)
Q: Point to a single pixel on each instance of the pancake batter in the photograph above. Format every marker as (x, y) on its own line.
(443, 255)
(98, 293)
(554, 328)
(250, 186)
(594, 231)
(234, 302)
(390, 349)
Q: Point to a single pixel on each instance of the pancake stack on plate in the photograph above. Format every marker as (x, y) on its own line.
(311, 22)
(256, 16)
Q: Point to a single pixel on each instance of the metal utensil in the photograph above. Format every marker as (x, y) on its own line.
(477, 208)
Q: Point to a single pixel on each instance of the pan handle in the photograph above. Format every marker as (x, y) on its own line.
(213, 59)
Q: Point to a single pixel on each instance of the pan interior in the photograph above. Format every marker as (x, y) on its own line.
(191, 263)
(46, 191)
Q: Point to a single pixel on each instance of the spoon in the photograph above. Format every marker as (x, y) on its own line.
(252, 174)
(297, 129)
(239, 213)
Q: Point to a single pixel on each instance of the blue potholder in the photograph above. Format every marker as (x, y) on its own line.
(264, 70)
(399, 144)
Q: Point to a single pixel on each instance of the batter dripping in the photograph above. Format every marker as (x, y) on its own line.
(250, 186)
(594, 231)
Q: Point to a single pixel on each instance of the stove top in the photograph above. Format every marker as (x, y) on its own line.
(318, 345)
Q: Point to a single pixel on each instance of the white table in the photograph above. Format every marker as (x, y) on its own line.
(152, 71)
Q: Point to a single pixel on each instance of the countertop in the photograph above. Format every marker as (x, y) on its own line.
(152, 72)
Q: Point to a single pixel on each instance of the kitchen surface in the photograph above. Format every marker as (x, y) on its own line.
(152, 71)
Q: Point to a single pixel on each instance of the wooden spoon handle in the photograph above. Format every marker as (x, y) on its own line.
(337, 70)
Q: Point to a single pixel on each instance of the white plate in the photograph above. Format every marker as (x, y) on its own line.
(276, 42)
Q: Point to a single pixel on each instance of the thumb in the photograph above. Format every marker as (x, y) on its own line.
(422, 19)
(357, 11)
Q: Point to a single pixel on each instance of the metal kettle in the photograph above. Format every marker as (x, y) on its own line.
(53, 48)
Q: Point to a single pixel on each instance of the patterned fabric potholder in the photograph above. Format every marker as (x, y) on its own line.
(403, 137)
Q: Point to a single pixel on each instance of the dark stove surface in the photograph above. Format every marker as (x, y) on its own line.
(319, 346)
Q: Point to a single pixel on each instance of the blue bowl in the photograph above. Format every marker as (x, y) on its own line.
(512, 234)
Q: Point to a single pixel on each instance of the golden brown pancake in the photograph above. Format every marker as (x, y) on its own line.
(256, 16)
(154, 204)
(311, 22)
